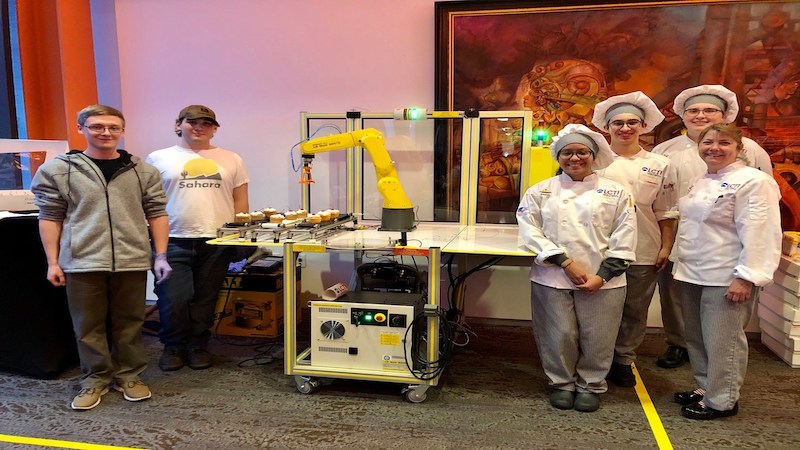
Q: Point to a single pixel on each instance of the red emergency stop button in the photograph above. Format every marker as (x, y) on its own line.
(380, 317)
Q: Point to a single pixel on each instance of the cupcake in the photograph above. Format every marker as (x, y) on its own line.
(242, 218)
(269, 211)
(302, 213)
(256, 216)
(276, 218)
(291, 215)
(334, 213)
(325, 215)
(313, 218)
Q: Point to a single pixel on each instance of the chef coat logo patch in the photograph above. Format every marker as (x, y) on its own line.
(610, 193)
(729, 186)
(653, 172)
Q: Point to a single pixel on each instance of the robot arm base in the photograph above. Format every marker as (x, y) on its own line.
(397, 219)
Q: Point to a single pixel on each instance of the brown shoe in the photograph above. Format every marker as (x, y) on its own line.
(88, 398)
(133, 391)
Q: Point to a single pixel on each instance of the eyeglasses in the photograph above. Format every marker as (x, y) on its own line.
(705, 111)
(582, 154)
(621, 123)
(97, 128)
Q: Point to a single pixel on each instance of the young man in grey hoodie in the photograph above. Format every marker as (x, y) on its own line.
(94, 209)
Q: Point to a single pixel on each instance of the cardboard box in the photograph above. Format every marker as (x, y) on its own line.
(786, 354)
(249, 314)
(791, 244)
(782, 309)
(251, 305)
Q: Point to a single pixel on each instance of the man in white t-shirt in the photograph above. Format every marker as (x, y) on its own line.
(206, 186)
(699, 107)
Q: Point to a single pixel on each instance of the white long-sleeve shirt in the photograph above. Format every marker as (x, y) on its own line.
(651, 180)
(730, 227)
(588, 220)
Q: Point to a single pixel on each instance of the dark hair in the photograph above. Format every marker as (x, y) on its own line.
(99, 110)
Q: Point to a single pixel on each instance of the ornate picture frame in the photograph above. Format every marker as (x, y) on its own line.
(559, 58)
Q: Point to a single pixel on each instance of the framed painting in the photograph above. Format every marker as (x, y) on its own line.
(560, 58)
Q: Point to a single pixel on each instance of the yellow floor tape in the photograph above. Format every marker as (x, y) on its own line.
(58, 444)
(644, 398)
(652, 415)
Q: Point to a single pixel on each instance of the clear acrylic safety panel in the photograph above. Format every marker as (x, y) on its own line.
(411, 146)
(329, 170)
(500, 156)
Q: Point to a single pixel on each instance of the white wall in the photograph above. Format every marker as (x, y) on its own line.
(258, 63)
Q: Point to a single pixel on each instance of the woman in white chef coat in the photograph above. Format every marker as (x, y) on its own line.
(728, 246)
(650, 179)
(583, 230)
(699, 107)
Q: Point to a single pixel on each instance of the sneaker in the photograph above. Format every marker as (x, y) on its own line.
(88, 398)
(622, 375)
(199, 358)
(133, 391)
(171, 358)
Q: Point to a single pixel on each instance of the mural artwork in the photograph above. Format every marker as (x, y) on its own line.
(559, 62)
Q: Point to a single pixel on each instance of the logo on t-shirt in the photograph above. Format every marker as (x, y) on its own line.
(200, 173)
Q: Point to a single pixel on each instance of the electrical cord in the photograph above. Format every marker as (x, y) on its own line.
(455, 310)
(291, 150)
(427, 368)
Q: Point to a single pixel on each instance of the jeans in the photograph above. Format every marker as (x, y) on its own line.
(186, 300)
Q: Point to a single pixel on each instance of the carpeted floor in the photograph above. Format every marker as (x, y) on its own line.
(493, 395)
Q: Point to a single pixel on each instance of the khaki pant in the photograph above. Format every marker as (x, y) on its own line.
(107, 305)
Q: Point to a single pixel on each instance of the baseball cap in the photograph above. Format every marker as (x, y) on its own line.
(198, 112)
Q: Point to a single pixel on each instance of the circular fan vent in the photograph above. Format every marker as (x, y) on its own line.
(332, 329)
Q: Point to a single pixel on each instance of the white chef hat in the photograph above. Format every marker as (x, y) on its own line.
(708, 93)
(635, 103)
(576, 133)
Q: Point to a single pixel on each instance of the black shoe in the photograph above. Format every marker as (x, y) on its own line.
(622, 375)
(702, 412)
(586, 402)
(562, 399)
(687, 398)
(199, 358)
(674, 357)
(172, 358)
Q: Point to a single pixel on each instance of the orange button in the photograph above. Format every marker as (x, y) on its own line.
(380, 317)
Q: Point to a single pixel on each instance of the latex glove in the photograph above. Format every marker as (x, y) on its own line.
(161, 268)
(260, 251)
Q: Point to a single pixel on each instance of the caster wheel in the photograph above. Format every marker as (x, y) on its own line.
(305, 388)
(415, 397)
(305, 385)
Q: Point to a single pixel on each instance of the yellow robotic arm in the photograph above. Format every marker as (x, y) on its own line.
(398, 211)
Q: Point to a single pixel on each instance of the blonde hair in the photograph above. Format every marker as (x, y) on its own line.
(99, 110)
(730, 130)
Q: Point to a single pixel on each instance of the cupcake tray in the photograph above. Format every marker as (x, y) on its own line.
(298, 229)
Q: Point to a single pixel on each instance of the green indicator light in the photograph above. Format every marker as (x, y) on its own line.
(367, 317)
